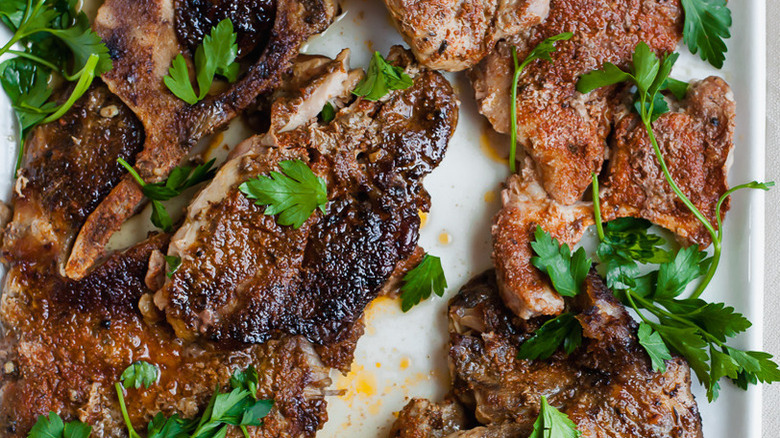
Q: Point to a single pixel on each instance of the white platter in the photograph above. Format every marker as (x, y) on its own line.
(404, 355)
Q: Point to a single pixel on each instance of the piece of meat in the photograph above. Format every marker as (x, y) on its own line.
(422, 419)
(141, 38)
(564, 131)
(696, 139)
(69, 166)
(606, 386)
(526, 205)
(455, 35)
(245, 278)
(66, 342)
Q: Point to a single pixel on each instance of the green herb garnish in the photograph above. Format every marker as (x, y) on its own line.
(57, 38)
(328, 113)
(215, 56)
(140, 373)
(180, 179)
(541, 51)
(382, 77)
(706, 24)
(53, 427)
(562, 330)
(293, 194)
(552, 423)
(173, 264)
(425, 278)
(238, 407)
(567, 271)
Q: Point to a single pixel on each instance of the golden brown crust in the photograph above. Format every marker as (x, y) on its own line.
(606, 386)
(142, 40)
(696, 141)
(564, 131)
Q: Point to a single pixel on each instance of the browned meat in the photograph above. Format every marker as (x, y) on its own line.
(564, 131)
(67, 342)
(422, 419)
(141, 37)
(69, 166)
(456, 34)
(606, 386)
(696, 140)
(245, 278)
(252, 20)
(525, 289)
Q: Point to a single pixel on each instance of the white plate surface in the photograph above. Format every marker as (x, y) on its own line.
(404, 355)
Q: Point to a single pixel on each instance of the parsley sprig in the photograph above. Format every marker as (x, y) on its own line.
(240, 408)
(215, 56)
(563, 330)
(541, 51)
(180, 179)
(55, 38)
(419, 282)
(567, 271)
(52, 426)
(381, 78)
(552, 423)
(140, 373)
(293, 194)
(707, 23)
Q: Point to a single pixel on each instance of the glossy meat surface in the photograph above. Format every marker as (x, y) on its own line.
(606, 386)
(245, 278)
(141, 38)
(69, 167)
(67, 342)
(455, 35)
(563, 131)
(696, 140)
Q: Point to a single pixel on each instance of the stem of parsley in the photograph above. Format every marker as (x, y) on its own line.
(513, 111)
(132, 171)
(86, 75)
(120, 395)
(597, 206)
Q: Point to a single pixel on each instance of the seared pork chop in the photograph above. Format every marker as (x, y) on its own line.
(141, 37)
(69, 167)
(245, 278)
(564, 131)
(66, 343)
(455, 35)
(606, 386)
(526, 205)
(696, 139)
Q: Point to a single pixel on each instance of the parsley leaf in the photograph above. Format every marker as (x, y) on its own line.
(56, 38)
(293, 194)
(246, 379)
(139, 373)
(381, 78)
(567, 272)
(541, 51)
(216, 55)
(552, 423)
(53, 427)
(706, 25)
(564, 330)
(161, 427)
(173, 264)
(654, 345)
(328, 112)
(180, 179)
(674, 276)
(419, 282)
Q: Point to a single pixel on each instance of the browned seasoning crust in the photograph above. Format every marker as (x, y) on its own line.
(564, 131)
(69, 166)
(67, 342)
(245, 278)
(696, 139)
(142, 41)
(606, 386)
